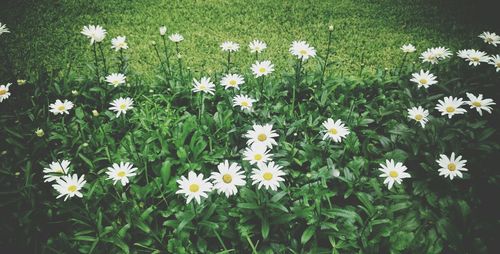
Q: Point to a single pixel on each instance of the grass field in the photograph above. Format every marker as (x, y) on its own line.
(369, 154)
(366, 32)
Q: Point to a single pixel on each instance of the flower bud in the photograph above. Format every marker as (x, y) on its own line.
(163, 30)
(95, 113)
(39, 132)
(21, 82)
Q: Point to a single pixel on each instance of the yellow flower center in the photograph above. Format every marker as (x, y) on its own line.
(3, 91)
(476, 104)
(194, 187)
(262, 137)
(72, 188)
(61, 108)
(333, 131)
(475, 59)
(123, 106)
(450, 109)
(489, 39)
(232, 82)
(498, 65)
(59, 170)
(262, 70)
(452, 167)
(303, 52)
(122, 44)
(227, 178)
(419, 117)
(393, 173)
(203, 87)
(121, 174)
(267, 176)
(244, 103)
(423, 81)
(257, 157)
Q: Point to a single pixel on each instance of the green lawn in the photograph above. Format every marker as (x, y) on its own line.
(46, 33)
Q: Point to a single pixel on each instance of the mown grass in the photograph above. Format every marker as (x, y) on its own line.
(46, 33)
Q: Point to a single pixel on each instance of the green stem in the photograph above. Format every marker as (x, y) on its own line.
(402, 63)
(103, 58)
(228, 61)
(161, 62)
(96, 65)
(166, 53)
(254, 251)
(326, 58)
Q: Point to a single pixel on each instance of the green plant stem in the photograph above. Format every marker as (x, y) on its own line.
(179, 60)
(96, 65)
(165, 48)
(326, 58)
(254, 251)
(161, 62)
(297, 82)
(103, 59)
(402, 63)
(228, 62)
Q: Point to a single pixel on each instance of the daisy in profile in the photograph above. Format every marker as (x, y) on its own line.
(55, 170)
(262, 135)
(230, 46)
(121, 105)
(176, 38)
(256, 153)
(163, 30)
(232, 81)
(418, 114)
(450, 106)
(194, 187)
(121, 172)
(245, 102)
(429, 56)
(204, 85)
(464, 53)
(263, 68)
(408, 48)
(495, 61)
(393, 172)
(60, 107)
(423, 79)
(257, 46)
(94, 33)
(3, 29)
(335, 130)
(490, 38)
(267, 175)
(302, 50)
(479, 103)
(228, 178)
(116, 79)
(119, 43)
(69, 186)
(442, 53)
(451, 167)
(4, 92)
(475, 57)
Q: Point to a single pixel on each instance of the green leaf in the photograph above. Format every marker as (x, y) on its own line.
(307, 234)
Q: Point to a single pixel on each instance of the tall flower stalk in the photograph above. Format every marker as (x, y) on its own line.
(96, 64)
(330, 36)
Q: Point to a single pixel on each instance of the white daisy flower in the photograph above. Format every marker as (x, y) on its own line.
(464, 53)
(475, 57)
(3, 29)
(442, 53)
(490, 38)
(94, 33)
(119, 43)
(56, 170)
(228, 178)
(194, 187)
(163, 30)
(262, 135)
(4, 92)
(418, 114)
(232, 81)
(257, 46)
(495, 61)
(393, 172)
(121, 172)
(335, 130)
(230, 46)
(121, 105)
(269, 176)
(116, 79)
(451, 167)
(69, 186)
(60, 107)
(408, 48)
(204, 85)
(479, 103)
(263, 68)
(429, 56)
(176, 38)
(450, 106)
(423, 79)
(245, 102)
(302, 50)
(256, 153)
